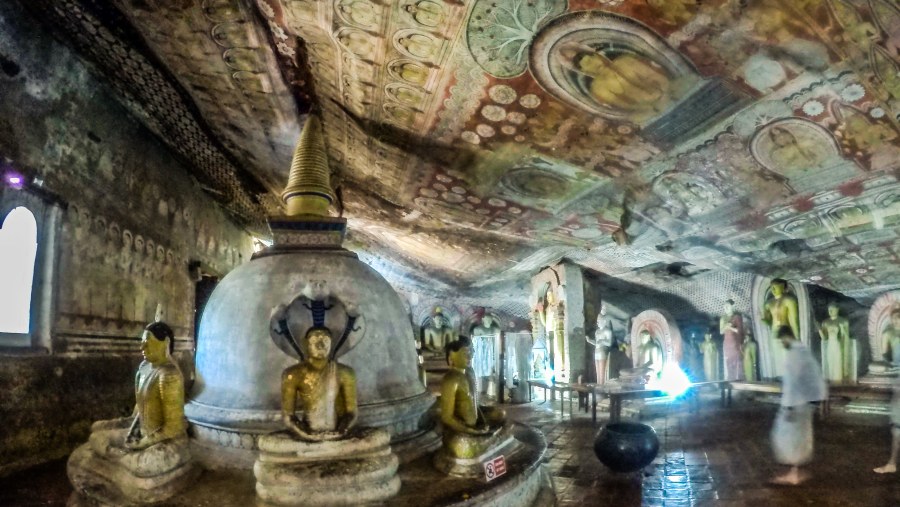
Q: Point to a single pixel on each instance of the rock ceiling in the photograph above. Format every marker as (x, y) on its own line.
(475, 141)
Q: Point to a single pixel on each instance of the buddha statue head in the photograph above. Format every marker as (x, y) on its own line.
(645, 337)
(778, 287)
(459, 354)
(729, 307)
(318, 343)
(602, 309)
(157, 342)
(487, 321)
(834, 311)
(438, 318)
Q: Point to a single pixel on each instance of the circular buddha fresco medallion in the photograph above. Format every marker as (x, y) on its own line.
(610, 65)
(474, 200)
(443, 178)
(502, 94)
(535, 183)
(508, 130)
(427, 192)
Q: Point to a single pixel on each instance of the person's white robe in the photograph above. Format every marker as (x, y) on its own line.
(802, 384)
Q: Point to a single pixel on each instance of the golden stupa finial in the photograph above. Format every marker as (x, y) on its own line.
(308, 191)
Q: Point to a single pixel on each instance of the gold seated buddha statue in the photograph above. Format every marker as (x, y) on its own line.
(470, 431)
(322, 459)
(142, 458)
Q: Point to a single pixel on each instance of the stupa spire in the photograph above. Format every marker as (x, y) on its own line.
(308, 191)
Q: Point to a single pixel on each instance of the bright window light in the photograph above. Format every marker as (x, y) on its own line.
(18, 246)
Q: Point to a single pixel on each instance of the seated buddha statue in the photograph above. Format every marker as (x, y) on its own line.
(469, 429)
(323, 390)
(151, 444)
(322, 450)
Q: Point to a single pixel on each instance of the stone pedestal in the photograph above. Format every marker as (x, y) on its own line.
(475, 452)
(103, 472)
(356, 470)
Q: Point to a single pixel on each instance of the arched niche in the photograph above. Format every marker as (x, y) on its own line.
(760, 294)
(662, 328)
(879, 319)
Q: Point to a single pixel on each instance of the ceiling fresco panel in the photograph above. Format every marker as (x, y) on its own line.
(475, 141)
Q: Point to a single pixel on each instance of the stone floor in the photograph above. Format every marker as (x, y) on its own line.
(716, 456)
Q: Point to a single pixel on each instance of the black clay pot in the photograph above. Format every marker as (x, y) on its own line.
(626, 446)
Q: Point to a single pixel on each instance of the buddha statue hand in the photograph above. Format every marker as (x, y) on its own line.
(119, 423)
(301, 430)
(482, 429)
(136, 443)
(346, 422)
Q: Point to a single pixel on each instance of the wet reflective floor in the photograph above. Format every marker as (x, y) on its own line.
(719, 457)
(713, 457)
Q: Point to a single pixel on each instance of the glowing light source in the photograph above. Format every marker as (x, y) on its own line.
(14, 179)
(672, 381)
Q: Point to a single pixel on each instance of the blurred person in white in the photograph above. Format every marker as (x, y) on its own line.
(802, 384)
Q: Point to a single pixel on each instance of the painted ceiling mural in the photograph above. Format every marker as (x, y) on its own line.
(475, 141)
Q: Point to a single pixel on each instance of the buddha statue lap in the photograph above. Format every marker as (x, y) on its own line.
(471, 433)
(143, 458)
(322, 458)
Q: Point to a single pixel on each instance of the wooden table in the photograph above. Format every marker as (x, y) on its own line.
(553, 388)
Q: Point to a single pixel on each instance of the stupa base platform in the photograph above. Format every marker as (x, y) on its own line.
(526, 483)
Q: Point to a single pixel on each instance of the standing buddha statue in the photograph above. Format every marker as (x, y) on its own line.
(731, 326)
(650, 354)
(781, 310)
(710, 352)
(602, 342)
(838, 349)
(750, 354)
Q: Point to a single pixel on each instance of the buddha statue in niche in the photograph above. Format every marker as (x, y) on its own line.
(650, 354)
(468, 428)
(781, 310)
(437, 335)
(890, 340)
(485, 341)
(322, 390)
(838, 349)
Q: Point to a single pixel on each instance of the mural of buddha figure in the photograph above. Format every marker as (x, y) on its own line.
(627, 82)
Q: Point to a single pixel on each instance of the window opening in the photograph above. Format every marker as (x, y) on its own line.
(18, 249)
